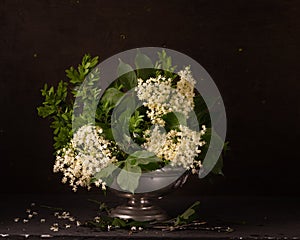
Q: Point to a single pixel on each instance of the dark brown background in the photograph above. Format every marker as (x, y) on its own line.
(250, 48)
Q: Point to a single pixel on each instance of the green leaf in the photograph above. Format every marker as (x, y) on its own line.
(51, 91)
(106, 172)
(128, 178)
(144, 66)
(45, 111)
(117, 222)
(120, 121)
(142, 157)
(111, 96)
(64, 116)
(44, 90)
(202, 112)
(142, 61)
(189, 212)
(107, 132)
(150, 163)
(189, 215)
(165, 62)
(142, 154)
(151, 166)
(145, 161)
(77, 76)
(173, 120)
(103, 207)
(135, 121)
(58, 107)
(126, 75)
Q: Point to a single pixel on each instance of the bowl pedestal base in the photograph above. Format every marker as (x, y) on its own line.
(139, 209)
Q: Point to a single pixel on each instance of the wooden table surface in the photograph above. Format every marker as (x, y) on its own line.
(251, 217)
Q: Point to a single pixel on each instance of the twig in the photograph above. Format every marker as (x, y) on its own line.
(53, 208)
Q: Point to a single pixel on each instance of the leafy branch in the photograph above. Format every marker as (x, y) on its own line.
(58, 102)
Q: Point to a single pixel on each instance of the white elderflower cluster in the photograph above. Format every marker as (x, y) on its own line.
(155, 94)
(179, 147)
(186, 84)
(87, 154)
(161, 98)
(155, 139)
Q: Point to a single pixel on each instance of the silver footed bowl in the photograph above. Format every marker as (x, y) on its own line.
(152, 185)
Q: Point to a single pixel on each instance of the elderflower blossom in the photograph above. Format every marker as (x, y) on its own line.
(54, 227)
(186, 84)
(161, 98)
(87, 154)
(179, 147)
(155, 93)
